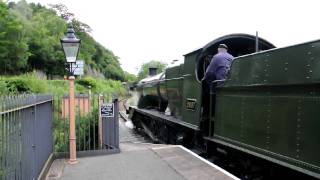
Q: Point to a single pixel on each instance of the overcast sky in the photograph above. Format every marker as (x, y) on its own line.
(138, 31)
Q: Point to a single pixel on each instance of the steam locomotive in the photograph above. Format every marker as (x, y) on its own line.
(267, 109)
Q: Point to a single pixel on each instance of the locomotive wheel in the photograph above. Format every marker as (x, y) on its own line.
(164, 134)
(180, 138)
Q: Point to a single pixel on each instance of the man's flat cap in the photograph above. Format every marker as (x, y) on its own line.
(223, 46)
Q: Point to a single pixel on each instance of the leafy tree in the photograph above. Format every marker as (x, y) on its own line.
(13, 42)
(144, 69)
(130, 77)
(62, 11)
(45, 48)
(30, 40)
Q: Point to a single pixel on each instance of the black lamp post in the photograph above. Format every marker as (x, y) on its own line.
(71, 46)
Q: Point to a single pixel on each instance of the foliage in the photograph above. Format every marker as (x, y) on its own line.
(13, 42)
(60, 131)
(88, 82)
(31, 83)
(130, 77)
(86, 129)
(27, 83)
(30, 40)
(45, 31)
(3, 88)
(144, 69)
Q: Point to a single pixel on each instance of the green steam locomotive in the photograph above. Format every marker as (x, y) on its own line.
(268, 107)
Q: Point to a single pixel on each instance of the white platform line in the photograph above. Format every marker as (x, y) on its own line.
(164, 146)
(209, 163)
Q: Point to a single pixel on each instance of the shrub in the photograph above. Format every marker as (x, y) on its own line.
(3, 87)
(88, 81)
(31, 83)
(18, 85)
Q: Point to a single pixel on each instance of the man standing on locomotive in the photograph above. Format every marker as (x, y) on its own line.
(217, 70)
(219, 66)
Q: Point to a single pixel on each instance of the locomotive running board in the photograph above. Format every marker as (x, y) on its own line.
(158, 116)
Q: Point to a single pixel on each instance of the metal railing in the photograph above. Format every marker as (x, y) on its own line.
(87, 123)
(26, 140)
(33, 127)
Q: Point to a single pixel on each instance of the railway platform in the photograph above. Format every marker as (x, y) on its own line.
(141, 161)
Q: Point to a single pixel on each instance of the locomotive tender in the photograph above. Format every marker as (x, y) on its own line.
(267, 108)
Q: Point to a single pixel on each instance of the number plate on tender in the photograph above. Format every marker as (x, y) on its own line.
(191, 104)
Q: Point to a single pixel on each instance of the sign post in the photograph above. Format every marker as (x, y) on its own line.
(110, 123)
(106, 113)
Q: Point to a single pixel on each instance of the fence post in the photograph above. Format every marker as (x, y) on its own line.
(100, 101)
(116, 121)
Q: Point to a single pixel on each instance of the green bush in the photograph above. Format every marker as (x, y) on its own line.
(17, 85)
(58, 87)
(27, 84)
(31, 83)
(86, 128)
(88, 81)
(3, 88)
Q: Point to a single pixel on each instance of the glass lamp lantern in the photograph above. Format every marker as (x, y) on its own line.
(70, 45)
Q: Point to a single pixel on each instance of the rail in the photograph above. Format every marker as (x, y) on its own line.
(26, 140)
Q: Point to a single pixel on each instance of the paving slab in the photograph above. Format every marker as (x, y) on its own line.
(190, 165)
(144, 162)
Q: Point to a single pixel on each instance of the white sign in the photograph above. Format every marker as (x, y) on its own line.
(107, 110)
(79, 70)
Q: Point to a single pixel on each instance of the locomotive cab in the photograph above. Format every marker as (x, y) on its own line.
(238, 45)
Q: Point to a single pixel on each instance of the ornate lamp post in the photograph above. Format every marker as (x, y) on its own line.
(71, 46)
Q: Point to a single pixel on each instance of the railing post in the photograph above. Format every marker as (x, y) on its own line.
(116, 122)
(34, 145)
(100, 101)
